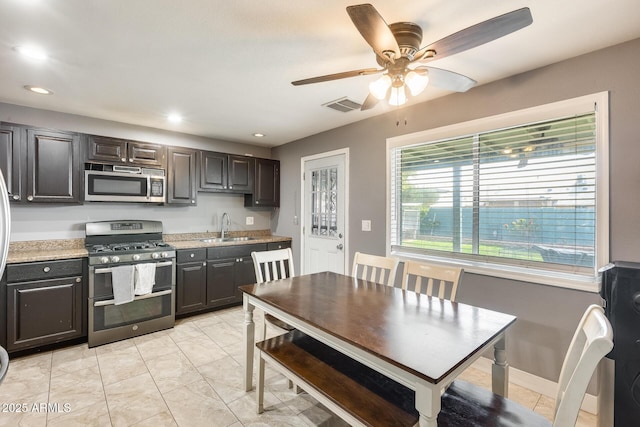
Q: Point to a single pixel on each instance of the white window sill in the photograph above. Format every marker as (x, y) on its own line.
(523, 274)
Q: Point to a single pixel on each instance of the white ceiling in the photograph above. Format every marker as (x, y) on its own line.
(226, 66)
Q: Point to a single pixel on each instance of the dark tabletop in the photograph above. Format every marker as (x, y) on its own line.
(425, 335)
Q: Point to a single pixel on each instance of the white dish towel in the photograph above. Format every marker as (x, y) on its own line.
(145, 278)
(122, 283)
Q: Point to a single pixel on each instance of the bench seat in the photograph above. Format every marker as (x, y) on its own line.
(355, 392)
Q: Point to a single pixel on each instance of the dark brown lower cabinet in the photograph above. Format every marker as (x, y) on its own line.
(214, 283)
(44, 309)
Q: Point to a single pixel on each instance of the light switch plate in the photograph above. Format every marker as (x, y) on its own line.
(366, 225)
(249, 220)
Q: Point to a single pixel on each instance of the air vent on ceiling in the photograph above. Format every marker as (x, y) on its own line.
(343, 104)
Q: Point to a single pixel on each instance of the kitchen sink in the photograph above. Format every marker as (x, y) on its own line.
(227, 239)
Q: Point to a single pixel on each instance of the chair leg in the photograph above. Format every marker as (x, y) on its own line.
(260, 385)
(290, 384)
(297, 389)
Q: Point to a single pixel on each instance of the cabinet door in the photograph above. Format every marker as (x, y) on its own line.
(32, 318)
(104, 149)
(245, 275)
(267, 185)
(144, 154)
(53, 166)
(10, 164)
(221, 287)
(181, 176)
(241, 173)
(191, 287)
(213, 171)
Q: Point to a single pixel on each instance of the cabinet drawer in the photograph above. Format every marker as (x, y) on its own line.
(235, 251)
(43, 270)
(278, 245)
(191, 255)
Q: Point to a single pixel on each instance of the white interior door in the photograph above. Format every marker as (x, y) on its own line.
(324, 242)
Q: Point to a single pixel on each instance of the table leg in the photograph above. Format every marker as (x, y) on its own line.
(428, 404)
(500, 369)
(249, 341)
(260, 385)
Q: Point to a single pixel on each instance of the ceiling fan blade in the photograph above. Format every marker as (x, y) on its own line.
(448, 80)
(369, 103)
(375, 31)
(476, 35)
(337, 76)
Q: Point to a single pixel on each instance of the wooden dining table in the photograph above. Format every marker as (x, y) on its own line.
(420, 341)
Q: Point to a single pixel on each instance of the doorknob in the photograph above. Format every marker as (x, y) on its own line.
(340, 246)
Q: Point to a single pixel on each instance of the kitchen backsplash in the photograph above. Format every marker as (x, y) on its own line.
(67, 222)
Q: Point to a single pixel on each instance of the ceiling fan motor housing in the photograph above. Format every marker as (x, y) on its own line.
(409, 36)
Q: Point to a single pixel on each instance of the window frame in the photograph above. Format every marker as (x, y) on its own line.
(598, 102)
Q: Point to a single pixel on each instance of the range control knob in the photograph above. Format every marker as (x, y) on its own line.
(104, 259)
(165, 254)
(155, 255)
(115, 259)
(136, 257)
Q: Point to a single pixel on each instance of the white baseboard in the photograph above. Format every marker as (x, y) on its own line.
(537, 384)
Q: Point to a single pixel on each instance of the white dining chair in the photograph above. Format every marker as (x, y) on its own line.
(269, 266)
(375, 268)
(464, 404)
(439, 281)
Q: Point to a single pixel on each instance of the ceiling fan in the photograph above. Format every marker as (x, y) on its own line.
(398, 45)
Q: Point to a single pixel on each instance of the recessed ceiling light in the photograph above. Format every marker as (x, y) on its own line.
(38, 89)
(174, 118)
(259, 135)
(31, 52)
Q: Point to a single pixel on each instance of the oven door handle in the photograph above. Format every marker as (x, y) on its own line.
(108, 270)
(137, 298)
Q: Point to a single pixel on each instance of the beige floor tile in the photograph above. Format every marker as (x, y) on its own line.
(545, 407)
(275, 413)
(70, 359)
(201, 350)
(96, 415)
(134, 400)
(223, 334)
(196, 404)
(184, 331)
(120, 363)
(26, 377)
(78, 389)
(114, 346)
(171, 371)
(523, 396)
(154, 345)
(163, 419)
(225, 376)
(20, 411)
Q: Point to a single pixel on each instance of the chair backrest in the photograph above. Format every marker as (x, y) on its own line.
(375, 268)
(435, 278)
(592, 340)
(4, 363)
(273, 265)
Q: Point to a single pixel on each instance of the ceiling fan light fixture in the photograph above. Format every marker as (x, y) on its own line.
(380, 87)
(397, 96)
(416, 82)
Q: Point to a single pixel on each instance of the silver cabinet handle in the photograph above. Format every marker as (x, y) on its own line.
(16, 197)
(30, 198)
(46, 269)
(192, 255)
(340, 246)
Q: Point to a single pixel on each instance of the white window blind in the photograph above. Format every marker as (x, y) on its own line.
(522, 195)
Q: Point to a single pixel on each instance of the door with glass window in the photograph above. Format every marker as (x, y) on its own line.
(324, 214)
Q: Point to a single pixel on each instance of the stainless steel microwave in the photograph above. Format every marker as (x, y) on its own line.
(113, 183)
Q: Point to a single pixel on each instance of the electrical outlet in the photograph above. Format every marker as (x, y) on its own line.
(366, 225)
(249, 220)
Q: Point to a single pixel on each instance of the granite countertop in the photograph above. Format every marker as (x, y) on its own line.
(47, 250)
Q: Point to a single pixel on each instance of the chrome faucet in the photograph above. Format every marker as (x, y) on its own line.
(222, 225)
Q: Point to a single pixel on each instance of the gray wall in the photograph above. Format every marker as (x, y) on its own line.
(40, 222)
(547, 316)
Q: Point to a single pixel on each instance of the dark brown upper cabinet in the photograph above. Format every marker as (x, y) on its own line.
(221, 172)
(10, 164)
(53, 162)
(266, 191)
(181, 176)
(121, 151)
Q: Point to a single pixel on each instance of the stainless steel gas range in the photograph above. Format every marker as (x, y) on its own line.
(117, 249)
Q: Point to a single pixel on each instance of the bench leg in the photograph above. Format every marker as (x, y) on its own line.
(260, 385)
(428, 405)
(249, 342)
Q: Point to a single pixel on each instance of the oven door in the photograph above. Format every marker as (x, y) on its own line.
(146, 313)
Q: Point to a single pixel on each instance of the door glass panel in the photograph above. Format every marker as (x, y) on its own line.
(324, 206)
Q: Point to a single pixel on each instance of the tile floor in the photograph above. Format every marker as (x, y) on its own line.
(186, 376)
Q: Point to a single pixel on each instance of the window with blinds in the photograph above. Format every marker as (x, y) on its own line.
(523, 195)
